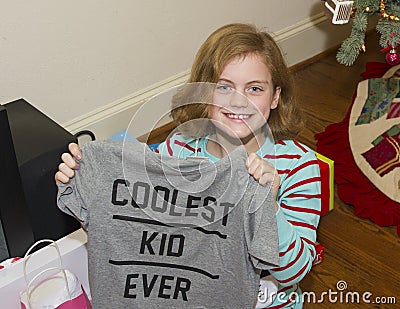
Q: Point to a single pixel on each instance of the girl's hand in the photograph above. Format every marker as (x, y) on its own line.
(264, 173)
(66, 169)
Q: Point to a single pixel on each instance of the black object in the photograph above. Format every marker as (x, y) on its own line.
(30, 148)
(86, 132)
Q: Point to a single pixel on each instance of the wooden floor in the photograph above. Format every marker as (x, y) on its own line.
(364, 255)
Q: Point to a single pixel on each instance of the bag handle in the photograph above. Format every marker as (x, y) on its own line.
(29, 285)
(60, 267)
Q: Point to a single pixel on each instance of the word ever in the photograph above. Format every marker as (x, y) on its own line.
(163, 286)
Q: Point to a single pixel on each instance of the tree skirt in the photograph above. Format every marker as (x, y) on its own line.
(355, 186)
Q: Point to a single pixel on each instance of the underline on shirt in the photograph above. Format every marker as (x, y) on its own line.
(165, 265)
(156, 222)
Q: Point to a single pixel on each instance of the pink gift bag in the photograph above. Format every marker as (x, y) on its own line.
(54, 287)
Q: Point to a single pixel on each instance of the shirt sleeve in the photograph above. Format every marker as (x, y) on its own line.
(299, 201)
(74, 197)
(261, 228)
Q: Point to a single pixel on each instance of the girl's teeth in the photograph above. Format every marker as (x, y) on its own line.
(238, 116)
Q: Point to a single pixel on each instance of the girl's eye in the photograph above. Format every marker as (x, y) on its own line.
(224, 88)
(255, 89)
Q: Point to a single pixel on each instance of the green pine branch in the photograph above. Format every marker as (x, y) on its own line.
(389, 30)
(350, 48)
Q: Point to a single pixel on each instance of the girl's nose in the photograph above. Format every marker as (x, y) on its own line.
(237, 99)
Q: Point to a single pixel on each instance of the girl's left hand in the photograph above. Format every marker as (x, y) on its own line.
(263, 172)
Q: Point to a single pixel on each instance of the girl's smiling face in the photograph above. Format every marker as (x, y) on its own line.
(244, 97)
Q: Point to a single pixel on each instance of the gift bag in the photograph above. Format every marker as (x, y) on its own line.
(54, 287)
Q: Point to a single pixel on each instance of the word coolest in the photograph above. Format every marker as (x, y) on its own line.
(164, 200)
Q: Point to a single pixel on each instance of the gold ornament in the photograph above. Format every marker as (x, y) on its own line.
(363, 48)
(384, 14)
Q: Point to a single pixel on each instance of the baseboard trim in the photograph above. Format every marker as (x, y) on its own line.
(300, 27)
(113, 117)
(115, 109)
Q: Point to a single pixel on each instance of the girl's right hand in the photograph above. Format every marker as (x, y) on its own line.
(66, 169)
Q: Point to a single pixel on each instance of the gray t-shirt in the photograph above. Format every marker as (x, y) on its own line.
(171, 233)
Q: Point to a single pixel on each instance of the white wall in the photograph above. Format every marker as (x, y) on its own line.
(87, 63)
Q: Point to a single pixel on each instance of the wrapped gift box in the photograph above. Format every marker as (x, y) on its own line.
(327, 183)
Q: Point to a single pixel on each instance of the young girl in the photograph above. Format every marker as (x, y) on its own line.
(239, 58)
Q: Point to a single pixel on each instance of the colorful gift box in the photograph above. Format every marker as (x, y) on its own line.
(327, 183)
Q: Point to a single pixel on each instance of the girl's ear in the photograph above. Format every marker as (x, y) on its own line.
(275, 99)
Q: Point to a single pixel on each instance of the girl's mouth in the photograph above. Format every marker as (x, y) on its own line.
(237, 116)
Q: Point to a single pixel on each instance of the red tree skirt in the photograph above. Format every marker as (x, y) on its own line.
(353, 186)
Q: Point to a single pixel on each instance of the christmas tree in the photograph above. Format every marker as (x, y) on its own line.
(388, 26)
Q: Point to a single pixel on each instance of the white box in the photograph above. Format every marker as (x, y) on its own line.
(74, 257)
